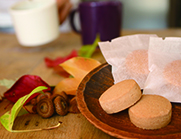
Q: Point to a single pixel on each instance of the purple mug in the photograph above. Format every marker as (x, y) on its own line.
(98, 17)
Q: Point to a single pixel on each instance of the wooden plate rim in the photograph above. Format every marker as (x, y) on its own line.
(103, 126)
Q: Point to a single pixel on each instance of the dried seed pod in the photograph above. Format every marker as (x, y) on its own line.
(63, 94)
(45, 108)
(61, 105)
(42, 96)
(33, 101)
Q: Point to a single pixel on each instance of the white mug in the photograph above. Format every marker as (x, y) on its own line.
(35, 21)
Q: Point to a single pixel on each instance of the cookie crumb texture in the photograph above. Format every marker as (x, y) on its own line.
(151, 112)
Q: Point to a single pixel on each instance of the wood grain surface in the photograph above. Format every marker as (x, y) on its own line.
(17, 60)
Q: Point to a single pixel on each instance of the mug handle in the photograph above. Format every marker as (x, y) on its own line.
(72, 23)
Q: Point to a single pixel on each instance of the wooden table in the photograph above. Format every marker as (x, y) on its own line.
(16, 60)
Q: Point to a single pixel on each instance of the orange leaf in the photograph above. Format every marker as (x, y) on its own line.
(78, 67)
(68, 85)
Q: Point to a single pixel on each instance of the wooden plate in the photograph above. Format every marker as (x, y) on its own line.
(117, 125)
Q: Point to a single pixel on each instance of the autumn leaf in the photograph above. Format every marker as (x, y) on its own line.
(54, 62)
(7, 120)
(6, 83)
(59, 70)
(24, 86)
(67, 85)
(78, 67)
(88, 50)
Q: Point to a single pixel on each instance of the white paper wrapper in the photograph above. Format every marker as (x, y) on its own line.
(165, 68)
(116, 54)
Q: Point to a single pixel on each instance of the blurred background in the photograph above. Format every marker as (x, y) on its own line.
(137, 14)
(149, 14)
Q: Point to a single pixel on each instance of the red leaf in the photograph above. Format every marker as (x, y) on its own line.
(52, 63)
(24, 86)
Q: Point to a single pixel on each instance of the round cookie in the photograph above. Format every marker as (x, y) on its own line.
(151, 112)
(137, 62)
(172, 72)
(120, 96)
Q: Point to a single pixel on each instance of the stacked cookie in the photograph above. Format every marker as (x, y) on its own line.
(155, 65)
(145, 111)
